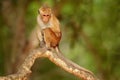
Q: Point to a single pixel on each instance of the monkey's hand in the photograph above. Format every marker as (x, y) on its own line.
(42, 44)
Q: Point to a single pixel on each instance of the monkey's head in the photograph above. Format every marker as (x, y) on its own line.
(45, 13)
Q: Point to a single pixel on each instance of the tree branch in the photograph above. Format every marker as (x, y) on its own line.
(61, 61)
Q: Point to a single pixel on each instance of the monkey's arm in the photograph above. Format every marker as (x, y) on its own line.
(56, 27)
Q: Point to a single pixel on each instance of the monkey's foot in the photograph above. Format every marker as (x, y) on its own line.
(49, 49)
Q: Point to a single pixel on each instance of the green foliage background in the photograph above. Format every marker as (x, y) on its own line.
(91, 38)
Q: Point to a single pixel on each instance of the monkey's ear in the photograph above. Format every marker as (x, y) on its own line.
(38, 12)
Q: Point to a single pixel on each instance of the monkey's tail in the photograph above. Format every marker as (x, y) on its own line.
(57, 50)
(60, 55)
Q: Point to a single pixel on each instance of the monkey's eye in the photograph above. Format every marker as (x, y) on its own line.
(47, 15)
(44, 15)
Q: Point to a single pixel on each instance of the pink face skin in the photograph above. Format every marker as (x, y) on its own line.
(45, 18)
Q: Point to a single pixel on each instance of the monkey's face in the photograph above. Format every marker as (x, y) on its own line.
(45, 18)
(45, 14)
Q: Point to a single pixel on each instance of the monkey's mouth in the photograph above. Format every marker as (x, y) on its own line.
(45, 20)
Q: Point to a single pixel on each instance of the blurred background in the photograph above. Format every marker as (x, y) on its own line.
(91, 36)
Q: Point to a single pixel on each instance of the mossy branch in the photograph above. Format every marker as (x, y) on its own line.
(69, 66)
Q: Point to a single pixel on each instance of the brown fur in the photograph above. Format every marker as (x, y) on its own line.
(50, 38)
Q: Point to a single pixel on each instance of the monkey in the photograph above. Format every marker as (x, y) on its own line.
(50, 27)
(47, 32)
